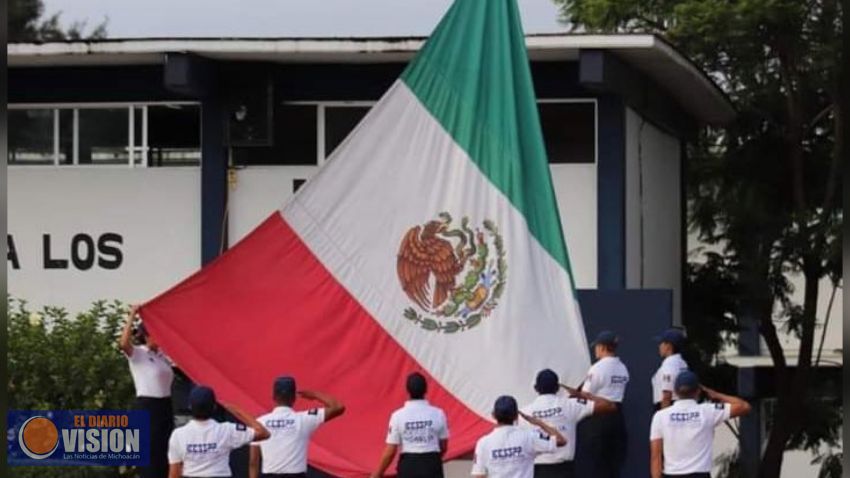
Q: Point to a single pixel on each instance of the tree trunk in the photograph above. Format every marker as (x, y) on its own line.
(771, 461)
(791, 400)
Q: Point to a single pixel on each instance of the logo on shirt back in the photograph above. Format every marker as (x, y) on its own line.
(684, 417)
(548, 413)
(419, 431)
(280, 424)
(418, 425)
(506, 453)
(201, 448)
(619, 379)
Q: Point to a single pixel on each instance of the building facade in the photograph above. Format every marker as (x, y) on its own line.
(132, 163)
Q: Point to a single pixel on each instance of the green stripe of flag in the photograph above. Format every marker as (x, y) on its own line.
(473, 76)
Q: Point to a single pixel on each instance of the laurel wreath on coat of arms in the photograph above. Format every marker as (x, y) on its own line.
(454, 275)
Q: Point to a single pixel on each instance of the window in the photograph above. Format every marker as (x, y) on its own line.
(569, 130)
(339, 121)
(153, 134)
(306, 133)
(31, 135)
(174, 135)
(103, 136)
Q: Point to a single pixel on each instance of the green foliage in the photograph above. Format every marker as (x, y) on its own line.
(27, 25)
(822, 412)
(709, 302)
(61, 362)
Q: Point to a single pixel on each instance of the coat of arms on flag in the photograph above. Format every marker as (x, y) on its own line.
(456, 273)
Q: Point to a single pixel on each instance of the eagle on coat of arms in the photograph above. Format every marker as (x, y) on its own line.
(452, 273)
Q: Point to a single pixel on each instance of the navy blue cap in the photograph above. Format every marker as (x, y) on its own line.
(547, 381)
(686, 380)
(673, 336)
(606, 337)
(284, 386)
(505, 406)
(201, 398)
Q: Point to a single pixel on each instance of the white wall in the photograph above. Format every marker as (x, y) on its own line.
(653, 210)
(575, 187)
(156, 212)
(257, 192)
(260, 190)
(833, 339)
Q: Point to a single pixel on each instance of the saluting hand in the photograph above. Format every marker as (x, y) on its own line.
(574, 392)
(530, 419)
(560, 440)
(308, 394)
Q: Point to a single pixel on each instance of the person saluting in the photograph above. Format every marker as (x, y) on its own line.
(285, 453)
(201, 448)
(509, 451)
(681, 436)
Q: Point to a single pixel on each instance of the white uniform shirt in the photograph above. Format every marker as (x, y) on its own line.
(562, 413)
(151, 371)
(418, 427)
(607, 378)
(687, 433)
(509, 452)
(203, 446)
(286, 450)
(665, 377)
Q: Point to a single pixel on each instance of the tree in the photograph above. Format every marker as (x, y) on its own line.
(26, 25)
(764, 189)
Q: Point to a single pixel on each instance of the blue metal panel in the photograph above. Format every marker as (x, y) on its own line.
(636, 316)
(89, 84)
(213, 180)
(611, 195)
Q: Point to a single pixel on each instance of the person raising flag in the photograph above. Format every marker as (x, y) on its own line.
(152, 377)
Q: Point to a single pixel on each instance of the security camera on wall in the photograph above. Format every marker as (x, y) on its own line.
(249, 114)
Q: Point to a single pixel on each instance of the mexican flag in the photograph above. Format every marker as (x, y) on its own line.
(430, 241)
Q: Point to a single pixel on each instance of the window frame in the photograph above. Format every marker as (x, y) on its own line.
(321, 153)
(321, 105)
(132, 148)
